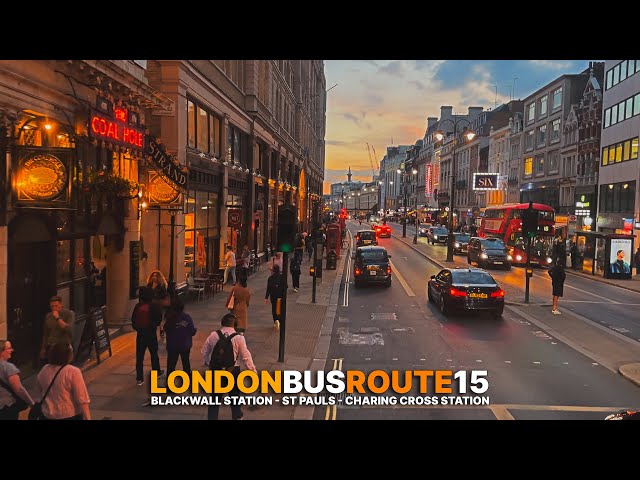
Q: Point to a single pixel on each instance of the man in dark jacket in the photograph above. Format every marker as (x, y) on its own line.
(274, 293)
(145, 319)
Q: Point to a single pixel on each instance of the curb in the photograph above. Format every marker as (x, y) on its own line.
(631, 371)
(601, 280)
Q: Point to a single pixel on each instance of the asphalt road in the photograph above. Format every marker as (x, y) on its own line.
(530, 374)
(605, 304)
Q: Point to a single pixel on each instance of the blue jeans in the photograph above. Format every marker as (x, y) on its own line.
(229, 271)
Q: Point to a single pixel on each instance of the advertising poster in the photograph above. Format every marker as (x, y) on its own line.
(620, 257)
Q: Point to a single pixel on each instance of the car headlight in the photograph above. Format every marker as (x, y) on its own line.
(457, 245)
(549, 260)
(519, 257)
(484, 256)
(509, 257)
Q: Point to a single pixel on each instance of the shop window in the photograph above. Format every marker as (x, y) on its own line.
(191, 124)
(63, 261)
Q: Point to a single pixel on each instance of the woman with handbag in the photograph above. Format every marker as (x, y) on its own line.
(13, 396)
(238, 302)
(64, 392)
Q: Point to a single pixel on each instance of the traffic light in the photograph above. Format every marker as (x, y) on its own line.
(287, 227)
(530, 221)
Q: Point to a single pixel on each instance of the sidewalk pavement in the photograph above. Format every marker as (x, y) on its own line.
(614, 351)
(112, 383)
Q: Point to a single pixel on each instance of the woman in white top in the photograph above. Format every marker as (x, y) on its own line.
(68, 398)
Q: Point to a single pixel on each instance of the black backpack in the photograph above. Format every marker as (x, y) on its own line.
(222, 357)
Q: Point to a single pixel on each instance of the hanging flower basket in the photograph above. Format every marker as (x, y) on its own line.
(111, 184)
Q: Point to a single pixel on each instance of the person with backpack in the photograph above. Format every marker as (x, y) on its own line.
(274, 293)
(145, 319)
(221, 351)
(180, 330)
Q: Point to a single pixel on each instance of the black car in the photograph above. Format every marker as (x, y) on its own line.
(437, 235)
(371, 265)
(488, 251)
(460, 243)
(423, 229)
(466, 289)
(366, 237)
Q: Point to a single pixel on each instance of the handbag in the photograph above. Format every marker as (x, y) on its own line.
(36, 411)
(19, 404)
(231, 302)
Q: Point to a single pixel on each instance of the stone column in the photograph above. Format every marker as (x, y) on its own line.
(119, 306)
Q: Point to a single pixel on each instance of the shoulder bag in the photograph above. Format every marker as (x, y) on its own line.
(36, 411)
(20, 404)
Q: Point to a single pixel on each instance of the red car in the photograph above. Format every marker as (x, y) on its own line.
(382, 231)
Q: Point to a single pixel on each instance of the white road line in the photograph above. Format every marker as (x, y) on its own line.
(402, 281)
(592, 294)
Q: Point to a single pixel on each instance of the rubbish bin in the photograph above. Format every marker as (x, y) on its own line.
(332, 260)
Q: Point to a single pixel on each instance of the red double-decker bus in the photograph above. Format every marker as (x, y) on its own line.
(504, 222)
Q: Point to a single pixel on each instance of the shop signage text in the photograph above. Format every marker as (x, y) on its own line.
(485, 181)
(166, 164)
(116, 131)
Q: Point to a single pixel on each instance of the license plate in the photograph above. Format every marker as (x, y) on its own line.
(497, 263)
(478, 295)
(372, 272)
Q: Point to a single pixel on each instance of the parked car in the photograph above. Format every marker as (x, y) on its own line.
(488, 251)
(383, 231)
(423, 229)
(461, 243)
(470, 289)
(366, 237)
(371, 265)
(437, 235)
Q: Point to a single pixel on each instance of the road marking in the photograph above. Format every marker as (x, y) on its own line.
(593, 301)
(506, 407)
(507, 361)
(479, 361)
(592, 294)
(501, 412)
(537, 363)
(332, 410)
(403, 282)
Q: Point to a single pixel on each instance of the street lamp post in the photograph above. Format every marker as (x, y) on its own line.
(415, 193)
(403, 191)
(469, 135)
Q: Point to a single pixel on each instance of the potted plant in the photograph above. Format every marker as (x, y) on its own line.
(111, 184)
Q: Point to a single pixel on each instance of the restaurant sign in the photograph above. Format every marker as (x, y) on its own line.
(166, 164)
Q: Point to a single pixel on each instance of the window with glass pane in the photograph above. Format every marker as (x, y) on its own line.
(621, 109)
(202, 128)
(618, 152)
(529, 140)
(626, 150)
(531, 112)
(616, 74)
(236, 146)
(631, 197)
(557, 98)
(605, 156)
(554, 161)
(540, 164)
(79, 262)
(212, 210)
(543, 105)
(634, 148)
(623, 70)
(63, 261)
(201, 210)
(609, 79)
(191, 124)
(629, 107)
(636, 105)
(555, 130)
(542, 135)
(614, 114)
(214, 135)
(616, 197)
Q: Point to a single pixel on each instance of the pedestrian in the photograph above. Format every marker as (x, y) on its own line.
(295, 274)
(241, 298)
(158, 284)
(67, 397)
(308, 245)
(274, 293)
(558, 277)
(180, 329)
(561, 251)
(145, 319)
(636, 260)
(573, 252)
(58, 324)
(230, 265)
(276, 262)
(244, 261)
(240, 352)
(13, 396)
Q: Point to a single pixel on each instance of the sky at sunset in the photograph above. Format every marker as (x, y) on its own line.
(387, 102)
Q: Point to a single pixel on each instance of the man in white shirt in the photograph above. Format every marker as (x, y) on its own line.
(230, 265)
(240, 352)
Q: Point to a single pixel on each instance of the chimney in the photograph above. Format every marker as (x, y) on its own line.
(431, 121)
(446, 111)
(474, 112)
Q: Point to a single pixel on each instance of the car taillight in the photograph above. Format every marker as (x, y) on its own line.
(358, 272)
(454, 292)
(498, 293)
(389, 270)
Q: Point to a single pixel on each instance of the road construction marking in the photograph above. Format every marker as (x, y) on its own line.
(501, 412)
(403, 282)
(332, 410)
